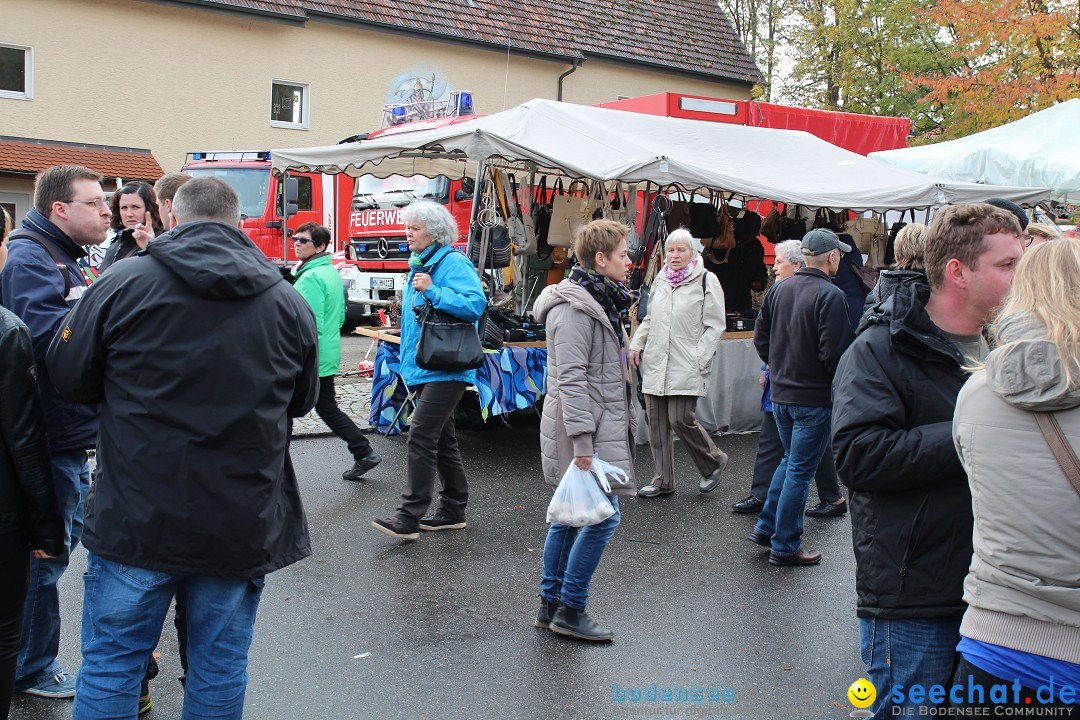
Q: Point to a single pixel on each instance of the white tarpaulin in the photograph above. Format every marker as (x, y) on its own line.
(601, 144)
(1041, 150)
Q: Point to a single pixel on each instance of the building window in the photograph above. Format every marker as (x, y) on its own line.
(289, 104)
(16, 71)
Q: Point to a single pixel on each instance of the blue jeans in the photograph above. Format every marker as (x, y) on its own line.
(804, 433)
(41, 611)
(571, 556)
(124, 608)
(918, 651)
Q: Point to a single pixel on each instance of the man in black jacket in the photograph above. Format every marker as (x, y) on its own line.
(42, 280)
(893, 402)
(801, 332)
(201, 353)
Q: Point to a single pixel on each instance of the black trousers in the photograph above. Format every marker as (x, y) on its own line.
(14, 574)
(771, 452)
(976, 693)
(433, 448)
(340, 424)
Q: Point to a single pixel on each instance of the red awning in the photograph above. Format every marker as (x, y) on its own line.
(27, 156)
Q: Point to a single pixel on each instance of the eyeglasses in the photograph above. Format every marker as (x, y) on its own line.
(301, 240)
(1028, 239)
(96, 202)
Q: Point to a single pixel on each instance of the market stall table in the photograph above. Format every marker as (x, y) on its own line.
(511, 378)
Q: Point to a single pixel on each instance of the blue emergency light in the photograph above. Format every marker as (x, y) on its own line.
(361, 248)
(402, 247)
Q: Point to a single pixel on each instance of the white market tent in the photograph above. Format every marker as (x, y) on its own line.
(1041, 150)
(602, 144)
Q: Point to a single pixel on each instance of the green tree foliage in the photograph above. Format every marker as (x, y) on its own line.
(758, 25)
(861, 56)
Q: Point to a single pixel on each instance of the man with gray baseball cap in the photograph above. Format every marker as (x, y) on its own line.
(801, 332)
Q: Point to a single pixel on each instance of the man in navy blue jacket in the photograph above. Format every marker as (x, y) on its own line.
(801, 332)
(41, 282)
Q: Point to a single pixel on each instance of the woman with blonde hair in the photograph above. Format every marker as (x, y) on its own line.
(586, 414)
(673, 350)
(908, 249)
(1022, 624)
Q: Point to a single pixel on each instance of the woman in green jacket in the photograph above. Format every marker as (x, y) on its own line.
(319, 283)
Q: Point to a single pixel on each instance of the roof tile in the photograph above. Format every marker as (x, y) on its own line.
(32, 156)
(681, 35)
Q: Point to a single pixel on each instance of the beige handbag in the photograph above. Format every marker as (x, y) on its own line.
(568, 214)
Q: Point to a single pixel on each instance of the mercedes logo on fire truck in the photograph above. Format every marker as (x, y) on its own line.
(384, 247)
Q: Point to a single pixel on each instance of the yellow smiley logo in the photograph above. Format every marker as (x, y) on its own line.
(862, 693)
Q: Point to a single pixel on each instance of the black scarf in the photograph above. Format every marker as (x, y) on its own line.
(613, 296)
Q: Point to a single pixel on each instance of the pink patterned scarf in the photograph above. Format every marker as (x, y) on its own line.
(674, 277)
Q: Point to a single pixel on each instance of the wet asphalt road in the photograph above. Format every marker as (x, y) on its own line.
(369, 627)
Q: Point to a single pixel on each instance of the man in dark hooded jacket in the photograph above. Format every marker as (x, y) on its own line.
(201, 353)
(893, 399)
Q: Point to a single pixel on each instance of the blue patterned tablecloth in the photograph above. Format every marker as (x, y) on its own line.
(513, 378)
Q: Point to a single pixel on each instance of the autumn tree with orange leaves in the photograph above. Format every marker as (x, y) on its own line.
(1007, 59)
(953, 66)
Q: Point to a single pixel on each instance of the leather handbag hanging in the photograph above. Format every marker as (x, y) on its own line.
(792, 227)
(568, 214)
(678, 215)
(770, 226)
(494, 245)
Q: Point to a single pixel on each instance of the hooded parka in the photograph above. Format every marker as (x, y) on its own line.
(1023, 588)
(202, 353)
(678, 338)
(587, 406)
(893, 399)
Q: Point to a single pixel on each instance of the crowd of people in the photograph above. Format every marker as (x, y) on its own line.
(946, 399)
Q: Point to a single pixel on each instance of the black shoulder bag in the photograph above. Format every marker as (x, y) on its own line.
(447, 342)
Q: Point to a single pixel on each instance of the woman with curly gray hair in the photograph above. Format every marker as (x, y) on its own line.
(444, 277)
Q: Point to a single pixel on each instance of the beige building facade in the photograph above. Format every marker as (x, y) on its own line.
(177, 77)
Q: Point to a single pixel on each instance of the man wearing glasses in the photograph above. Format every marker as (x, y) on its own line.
(320, 285)
(41, 283)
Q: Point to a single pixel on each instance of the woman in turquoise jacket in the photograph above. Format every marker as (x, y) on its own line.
(447, 279)
(320, 285)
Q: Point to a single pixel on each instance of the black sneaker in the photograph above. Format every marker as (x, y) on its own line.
(438, 521)
(394, 528)
(361, 467)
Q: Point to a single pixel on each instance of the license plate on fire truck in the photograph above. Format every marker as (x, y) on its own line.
(380, 283)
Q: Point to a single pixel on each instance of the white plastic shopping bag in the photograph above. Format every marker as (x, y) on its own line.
(580, 498)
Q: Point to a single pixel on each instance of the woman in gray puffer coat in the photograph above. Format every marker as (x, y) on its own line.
(1022, 624)
(586, 414)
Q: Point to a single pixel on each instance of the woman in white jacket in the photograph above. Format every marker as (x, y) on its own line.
(1022, 625)
(673, 350)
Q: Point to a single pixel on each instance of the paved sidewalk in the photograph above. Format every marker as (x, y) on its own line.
(354, 398)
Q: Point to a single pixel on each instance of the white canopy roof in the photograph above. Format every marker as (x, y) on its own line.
(1041, 150)
(602, 144)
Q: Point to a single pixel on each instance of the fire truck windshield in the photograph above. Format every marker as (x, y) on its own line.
(371, 192)
(251, 184)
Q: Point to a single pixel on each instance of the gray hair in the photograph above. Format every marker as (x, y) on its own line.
(206, 198)
(791, 251)
(682, 235)
(440, 224)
